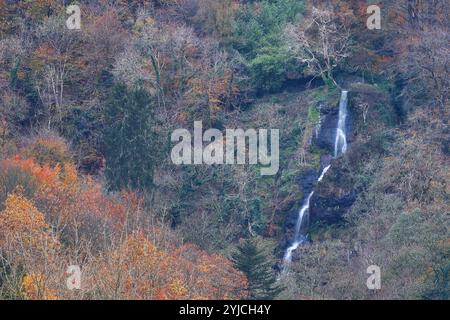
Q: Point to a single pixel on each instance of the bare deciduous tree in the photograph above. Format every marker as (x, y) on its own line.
(52, 64)
(321, 42)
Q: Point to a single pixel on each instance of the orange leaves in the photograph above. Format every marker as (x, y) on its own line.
(209, 276)
(90, 200)
(380, 61)
(44, 175)
(141, 270)
(45, 52)
(44, 55)
(55, 187)
(34, 288)
(27, 245)
(127, 257)
(218, 87)
(67, 199)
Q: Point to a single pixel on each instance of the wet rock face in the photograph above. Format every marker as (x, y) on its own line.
(330, 209)
(307, 181)
(327, 134)
(289, 228)
(325, 160)
(335, 194)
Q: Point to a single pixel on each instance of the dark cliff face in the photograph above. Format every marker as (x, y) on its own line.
(329, 120)
(336, 193)
(333, 196)
(327, 133)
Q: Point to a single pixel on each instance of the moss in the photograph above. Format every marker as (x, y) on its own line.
(325, 95)
(313, 114)
(320, 231)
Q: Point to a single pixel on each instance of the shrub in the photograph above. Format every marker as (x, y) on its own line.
(12, 176)
(48, 149)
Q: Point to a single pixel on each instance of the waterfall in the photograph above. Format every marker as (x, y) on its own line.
(340, 145)
(324, 172)
(298, 238)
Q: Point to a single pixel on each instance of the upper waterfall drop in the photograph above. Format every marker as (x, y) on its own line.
(340, 145)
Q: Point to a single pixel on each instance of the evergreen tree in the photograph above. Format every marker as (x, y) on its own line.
(254, 262)
(131, 143)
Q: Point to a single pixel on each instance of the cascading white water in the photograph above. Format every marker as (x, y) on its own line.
(324, 172)
(299, 238)
(340, 144)
(340, 147)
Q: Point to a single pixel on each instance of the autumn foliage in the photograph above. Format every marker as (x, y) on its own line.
(34, 288)
(138, 269)
(124, 256)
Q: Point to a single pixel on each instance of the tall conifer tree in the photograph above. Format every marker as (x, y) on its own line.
(131, 144)
(255, 263)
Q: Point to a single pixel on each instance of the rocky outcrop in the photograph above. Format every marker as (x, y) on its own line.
(329, 116)
(330, 209)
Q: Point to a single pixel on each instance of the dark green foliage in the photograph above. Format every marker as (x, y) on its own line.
(439, 288)
(259, 39)
(131, 144)
(254, 262)
(84, 127)
(24, 87)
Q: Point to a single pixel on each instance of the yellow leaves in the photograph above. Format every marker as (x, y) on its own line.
(134, 268)
(177, 288)
(214, 105)
(34, 288)
(23, 225)
(205, 268)
(208, 276)
(21, 216)
(137, 249)
(56, 190)
(69, 180)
